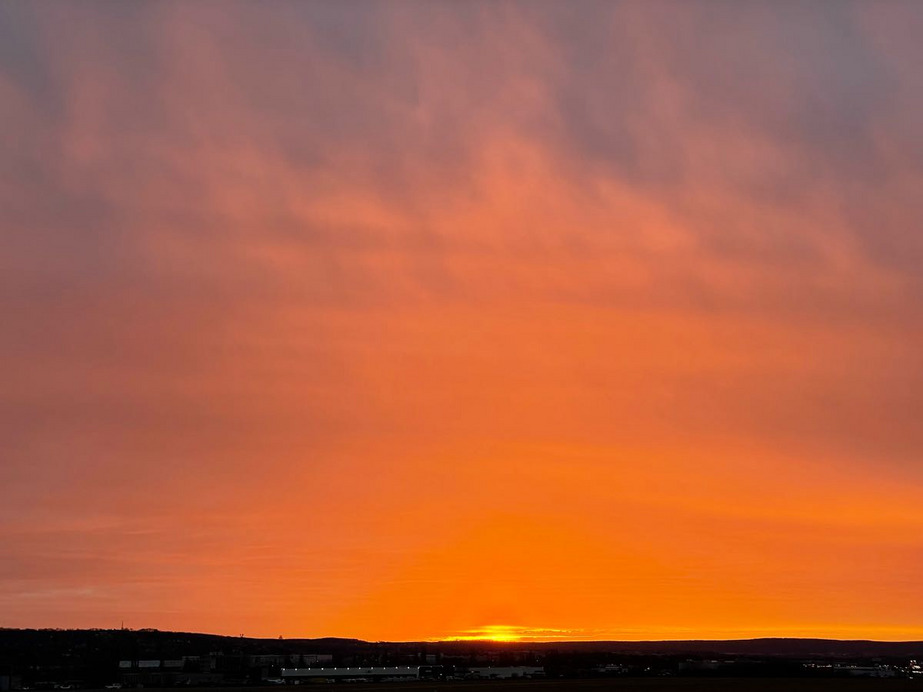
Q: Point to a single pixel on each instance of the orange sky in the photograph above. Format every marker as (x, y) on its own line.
(416, 320)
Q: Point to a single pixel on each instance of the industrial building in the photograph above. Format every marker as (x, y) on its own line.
(507, 672)
(291, 675)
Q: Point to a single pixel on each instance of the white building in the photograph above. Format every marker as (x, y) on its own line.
(507, 672)
(357, 673)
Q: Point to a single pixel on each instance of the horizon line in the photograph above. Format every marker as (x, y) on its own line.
(467, 640)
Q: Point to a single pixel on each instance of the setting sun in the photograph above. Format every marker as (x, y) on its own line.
(493, 633)
(516, 633)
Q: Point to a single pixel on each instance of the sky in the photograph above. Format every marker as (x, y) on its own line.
(418, 320)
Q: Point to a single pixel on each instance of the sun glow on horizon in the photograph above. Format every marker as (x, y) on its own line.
(492, 633)
(512, 633)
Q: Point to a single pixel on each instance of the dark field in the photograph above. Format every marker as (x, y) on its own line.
(620, 685)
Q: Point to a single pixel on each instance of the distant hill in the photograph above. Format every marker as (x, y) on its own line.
(149, 643)
(163, 644)
(790, 647)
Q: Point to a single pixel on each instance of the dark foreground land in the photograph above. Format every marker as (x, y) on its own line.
(47, 660)
(621, 685)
